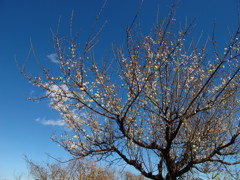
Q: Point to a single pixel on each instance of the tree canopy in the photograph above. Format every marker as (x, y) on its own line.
(163, 104)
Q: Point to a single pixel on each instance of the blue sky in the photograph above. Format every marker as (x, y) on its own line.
(25, 126)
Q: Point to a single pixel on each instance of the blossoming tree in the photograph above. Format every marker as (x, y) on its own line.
(163, 106)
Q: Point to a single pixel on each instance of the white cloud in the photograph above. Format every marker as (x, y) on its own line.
(32, 92)
(50, 122)
(53, 57)
(59, 92)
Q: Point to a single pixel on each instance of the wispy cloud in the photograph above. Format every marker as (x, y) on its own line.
(53, 57)
(32, 92)
(50, 122)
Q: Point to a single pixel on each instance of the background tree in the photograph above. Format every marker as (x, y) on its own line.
(163, 105)
(76, 170)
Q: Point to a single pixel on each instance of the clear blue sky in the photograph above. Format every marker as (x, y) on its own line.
(20, 132)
